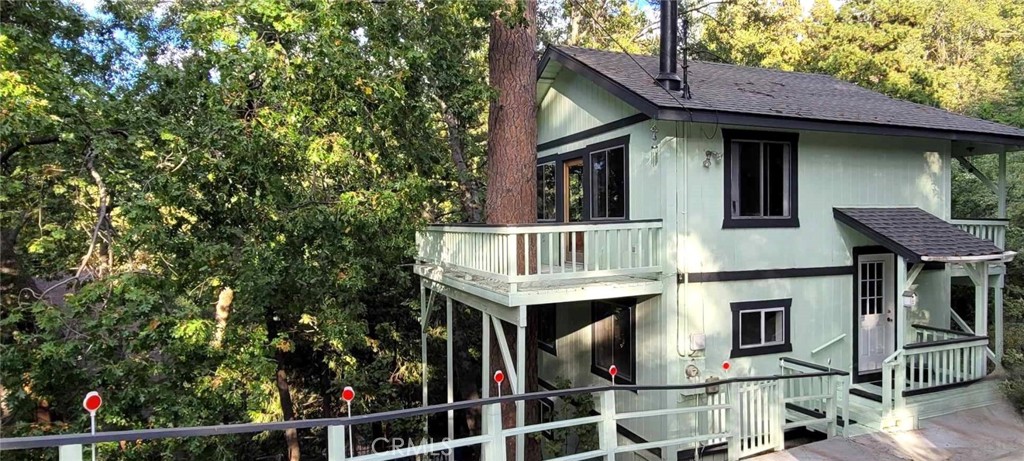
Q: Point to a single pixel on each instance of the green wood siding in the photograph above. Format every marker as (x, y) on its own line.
(574, 104)
(833, 170)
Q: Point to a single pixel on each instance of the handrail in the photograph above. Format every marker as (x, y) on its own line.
(21, 443)
(942, 330)
(831, 342)
(508, 229)
(813, 366)
(946, 342)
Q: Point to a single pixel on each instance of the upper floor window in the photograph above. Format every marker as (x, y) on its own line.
(760, 179)
(608, 183)
(546, 195)
(613, 338)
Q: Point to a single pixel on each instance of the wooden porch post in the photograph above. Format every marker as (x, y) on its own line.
(981, 308)
(901, 312)
(1001, 184)
(998, 300)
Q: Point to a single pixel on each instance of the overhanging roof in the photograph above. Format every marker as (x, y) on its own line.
(919, 236)
(738, 95)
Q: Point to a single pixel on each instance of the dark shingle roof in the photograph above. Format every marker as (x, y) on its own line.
(773, 93)
(914, 233)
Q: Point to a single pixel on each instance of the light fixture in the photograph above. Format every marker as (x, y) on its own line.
(709, 155)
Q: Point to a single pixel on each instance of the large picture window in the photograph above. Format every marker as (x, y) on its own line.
(613, 340)
(546, 192)
(585, 184)
(608, 183)
(760, 184)
(761, 327)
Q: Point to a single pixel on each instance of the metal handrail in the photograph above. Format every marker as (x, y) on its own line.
(45, 441)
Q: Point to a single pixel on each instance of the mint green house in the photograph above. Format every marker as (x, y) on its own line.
(781, 222)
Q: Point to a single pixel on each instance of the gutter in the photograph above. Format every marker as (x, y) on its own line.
(1005, 257)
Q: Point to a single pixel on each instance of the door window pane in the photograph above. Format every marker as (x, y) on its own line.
(546, 192)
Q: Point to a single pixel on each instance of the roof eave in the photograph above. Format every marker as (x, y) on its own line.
(792, 123)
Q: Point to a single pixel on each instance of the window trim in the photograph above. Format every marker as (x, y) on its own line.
(785, 305)
(793, 139)
(588, 191)
(551, 348)
(628, 303)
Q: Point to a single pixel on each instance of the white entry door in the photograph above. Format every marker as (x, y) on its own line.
(876, 310)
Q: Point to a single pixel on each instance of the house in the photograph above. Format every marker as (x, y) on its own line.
(773, 220)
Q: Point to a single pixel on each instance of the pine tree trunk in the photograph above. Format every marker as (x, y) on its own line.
(511, 170)
(291, 436)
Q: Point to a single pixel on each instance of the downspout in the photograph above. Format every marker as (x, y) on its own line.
(682, 236)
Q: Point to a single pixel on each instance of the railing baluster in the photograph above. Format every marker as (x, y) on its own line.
(335, 443)
(70, 453)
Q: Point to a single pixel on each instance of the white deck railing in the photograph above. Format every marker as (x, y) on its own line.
(993, 230)
(544, 251)
(749, 414)
(941, 359)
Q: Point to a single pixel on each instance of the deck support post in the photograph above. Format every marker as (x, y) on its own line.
(423, 344)
(449, 369)
(997, 298)
(521, 382)
(485, 373)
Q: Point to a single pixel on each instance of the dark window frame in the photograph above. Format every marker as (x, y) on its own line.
(630, 369)
(585, 154)
(554, 171)
(746, 306)
(552, 347)
(793, 139)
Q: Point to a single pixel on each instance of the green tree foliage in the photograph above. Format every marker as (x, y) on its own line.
(613, 25)
(207, 184)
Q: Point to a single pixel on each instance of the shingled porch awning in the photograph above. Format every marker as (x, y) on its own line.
(919, 236)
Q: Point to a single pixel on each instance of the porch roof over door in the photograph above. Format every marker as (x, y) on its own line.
(919, 236)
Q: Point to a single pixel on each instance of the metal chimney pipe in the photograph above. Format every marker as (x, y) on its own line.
(667, 76)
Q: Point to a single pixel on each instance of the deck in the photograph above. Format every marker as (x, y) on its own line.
(547, 262)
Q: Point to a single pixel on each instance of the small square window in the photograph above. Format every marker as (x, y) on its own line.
(761, 327)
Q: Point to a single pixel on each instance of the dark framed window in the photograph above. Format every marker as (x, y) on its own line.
(608, 183)
(613, 339)
(546, 192)
(586, 184)
(547, 334)
(760, 179)
(761, 327)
